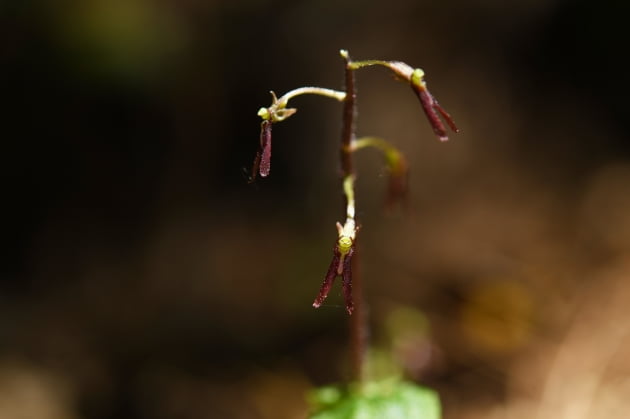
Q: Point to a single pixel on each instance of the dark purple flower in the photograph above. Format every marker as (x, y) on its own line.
(341, 265)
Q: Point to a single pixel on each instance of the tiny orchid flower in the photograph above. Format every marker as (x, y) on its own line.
(341, 265)
(278, 112)
(415, 77)
(275, 113)
(430, 106)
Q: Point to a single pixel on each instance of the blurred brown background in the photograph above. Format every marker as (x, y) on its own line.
(144, 278)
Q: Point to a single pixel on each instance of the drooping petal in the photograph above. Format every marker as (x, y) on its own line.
(255, 167)
(328, 280)
(428, 105)
(347, 281)
(265, 144)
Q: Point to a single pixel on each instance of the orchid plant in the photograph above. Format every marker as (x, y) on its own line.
(345, 248)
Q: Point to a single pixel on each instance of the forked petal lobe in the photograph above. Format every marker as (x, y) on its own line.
(347, 282)
(428, 105)
(447, 117)
(265, 144)
(328, 280)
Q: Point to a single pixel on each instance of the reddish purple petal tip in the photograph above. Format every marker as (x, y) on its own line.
(447, 117)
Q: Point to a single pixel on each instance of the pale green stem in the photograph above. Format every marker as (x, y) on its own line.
(321, 91)
(355, 65)
(348, 190)
(278, 110)
(348, 232)
(402, 70)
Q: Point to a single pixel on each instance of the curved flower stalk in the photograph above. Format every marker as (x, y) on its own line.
(278, 112)
(415, 78)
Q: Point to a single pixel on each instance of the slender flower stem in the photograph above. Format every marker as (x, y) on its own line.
(358, 320)
(349, 111)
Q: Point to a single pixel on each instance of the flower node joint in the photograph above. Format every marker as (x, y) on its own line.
(417, 78)
(344, 243)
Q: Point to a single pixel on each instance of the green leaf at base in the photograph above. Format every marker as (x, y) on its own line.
(388, 399)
